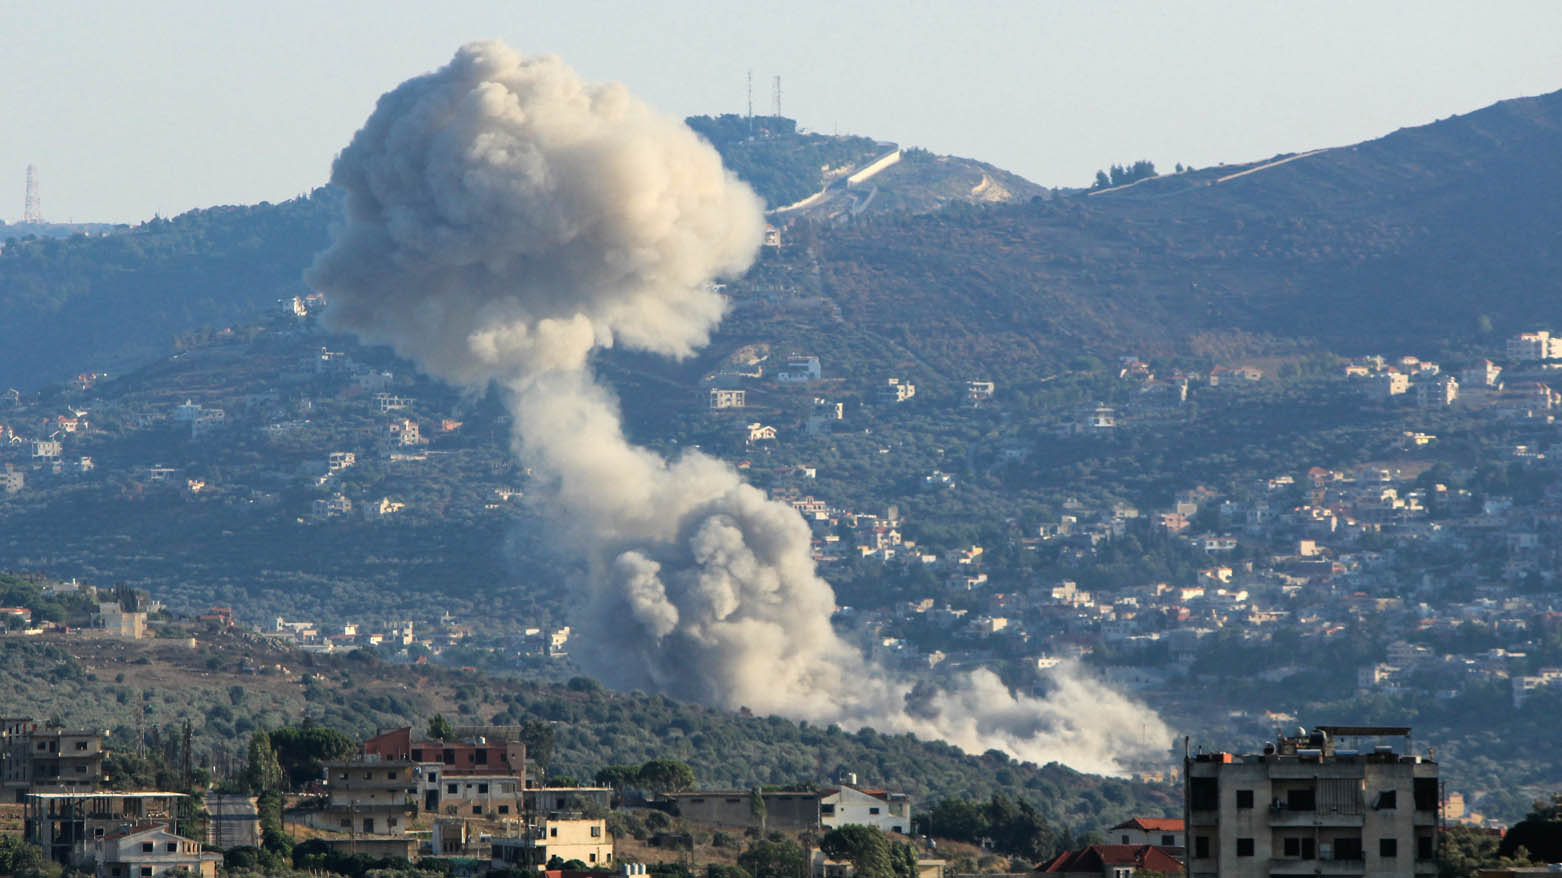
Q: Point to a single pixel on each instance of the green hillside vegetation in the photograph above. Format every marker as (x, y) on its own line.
(230, 685)
(103, 302)
(769, 154)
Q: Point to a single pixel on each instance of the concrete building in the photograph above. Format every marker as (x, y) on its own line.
(784, 811)
(848, 806)
(727, 398)
(67, 826)
(474, 750)
(370, 796)
(545, 799)
(150, 850)
(1309, 804)
(566, 836)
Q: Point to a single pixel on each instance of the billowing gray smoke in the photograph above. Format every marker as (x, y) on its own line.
(505, 219)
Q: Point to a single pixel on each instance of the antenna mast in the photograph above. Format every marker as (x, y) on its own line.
(776, 90)
(751, 94)
(32, 212)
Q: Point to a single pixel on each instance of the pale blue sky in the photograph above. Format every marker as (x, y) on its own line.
(130, 108)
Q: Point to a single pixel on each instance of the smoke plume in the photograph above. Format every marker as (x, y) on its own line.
(504, 220)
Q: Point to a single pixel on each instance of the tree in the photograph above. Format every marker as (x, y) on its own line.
(537, 735)
(772, 859)
(19, 858)
(864, 846)
(1540, 833)
(440, 729)
(303, 750)
(666, 776)
(757, 809)
(264, 772)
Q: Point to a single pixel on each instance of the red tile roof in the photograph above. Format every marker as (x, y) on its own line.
(1098, 857)
(1152, 824)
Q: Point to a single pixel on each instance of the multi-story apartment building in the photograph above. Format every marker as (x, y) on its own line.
(33, 759)
(371, 796)
(1309, 804)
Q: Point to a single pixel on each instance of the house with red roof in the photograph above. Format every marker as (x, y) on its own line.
(1114, 861)
(149, 850)
(1166, 832)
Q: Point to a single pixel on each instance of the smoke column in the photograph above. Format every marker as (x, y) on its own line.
(504, 220)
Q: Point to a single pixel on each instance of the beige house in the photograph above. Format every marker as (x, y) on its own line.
(568, 838)
(150, 850)
(121, 623)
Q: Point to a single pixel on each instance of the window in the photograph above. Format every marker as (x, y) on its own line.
(1204, 794)
(1244, 847)
(116, 872)
(1426, 794)
(827, 810)
(1244, 798)
(477, 809)
(1125, 840)
(1302, 799)
(873, 810)
(1168, 841)
(596, 832)
(146, 872)
(173, 847)
(368, 775)
(899, 829)
(391, 822)
(147, 847)
(553, 831)
(482, 788)
(1347, 849)
(368, 824)
(1388, 847)
(504, 809)
(452, 788)
(1388, 800)
(1200, 845)
(81, 745)
(347, 823)
(390, 775)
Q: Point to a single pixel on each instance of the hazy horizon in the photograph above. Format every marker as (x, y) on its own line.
(172, 105)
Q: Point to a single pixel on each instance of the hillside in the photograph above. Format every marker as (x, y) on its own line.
(106, 302)
(1441, 234)
(230, 683)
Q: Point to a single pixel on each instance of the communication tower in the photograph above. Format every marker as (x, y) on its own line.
(776, 93)
(32, 212)
(751, 94)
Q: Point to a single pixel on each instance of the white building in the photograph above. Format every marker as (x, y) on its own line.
(847, 806)
(1386, 384)
(799, 369)
(897, 390)
(1439, 392)
(1530, 347)
(149, 851)
(727, 398)
(1483, 373)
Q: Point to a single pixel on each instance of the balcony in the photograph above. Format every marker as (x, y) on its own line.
(1287, 866)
